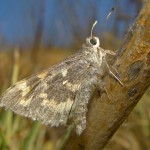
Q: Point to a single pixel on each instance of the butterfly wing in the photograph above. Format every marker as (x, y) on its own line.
(49, 95)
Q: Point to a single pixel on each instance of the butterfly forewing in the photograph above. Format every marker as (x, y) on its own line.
(49, 95)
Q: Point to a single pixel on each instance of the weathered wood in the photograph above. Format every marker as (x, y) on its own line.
(133, 65)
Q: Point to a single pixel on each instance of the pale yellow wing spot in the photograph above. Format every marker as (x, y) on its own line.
(64, 82)
(42, 75)
(72, 87)
(64, 72)
(25, 102)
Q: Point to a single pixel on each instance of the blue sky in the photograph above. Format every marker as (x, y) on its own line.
(18, 18)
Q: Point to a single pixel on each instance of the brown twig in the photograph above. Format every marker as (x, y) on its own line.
(133, 64)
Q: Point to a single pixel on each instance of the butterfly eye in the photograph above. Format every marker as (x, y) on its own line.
(93, 41)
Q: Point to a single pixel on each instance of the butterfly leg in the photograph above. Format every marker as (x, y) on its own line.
(101, 88)
(113, 74)
(110, 52)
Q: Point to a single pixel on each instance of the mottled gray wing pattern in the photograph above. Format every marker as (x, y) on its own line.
(49, 95)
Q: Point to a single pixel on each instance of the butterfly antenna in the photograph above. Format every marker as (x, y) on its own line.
(93, 27)
(94, 24)
(109, 14)
(107, 17)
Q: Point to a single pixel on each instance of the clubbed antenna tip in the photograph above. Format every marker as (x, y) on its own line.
(113, 9)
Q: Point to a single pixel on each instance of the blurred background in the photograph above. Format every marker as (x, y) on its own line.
(35, 34)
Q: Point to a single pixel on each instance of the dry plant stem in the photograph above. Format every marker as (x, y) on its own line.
(14, 78)
(15, 70)
(133, 65)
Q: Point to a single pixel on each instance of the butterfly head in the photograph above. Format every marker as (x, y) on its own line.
(93, 41)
